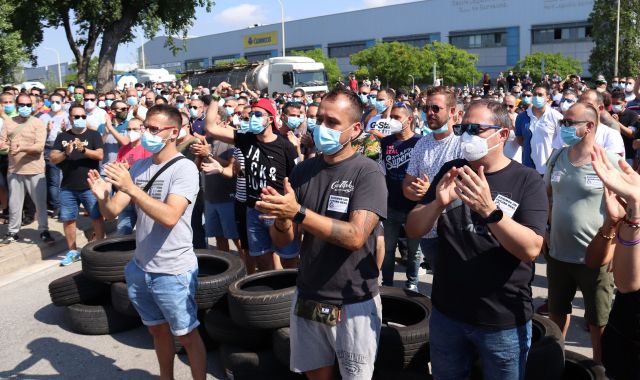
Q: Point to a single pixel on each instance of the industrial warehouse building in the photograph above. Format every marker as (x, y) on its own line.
(500, 32)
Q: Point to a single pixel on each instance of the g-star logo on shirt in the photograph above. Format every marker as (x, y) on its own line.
(342, 186)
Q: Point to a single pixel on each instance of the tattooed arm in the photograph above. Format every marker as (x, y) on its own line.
(351, 235)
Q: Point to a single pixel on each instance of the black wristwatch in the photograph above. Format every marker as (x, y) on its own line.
(300, 215)
(495, 216)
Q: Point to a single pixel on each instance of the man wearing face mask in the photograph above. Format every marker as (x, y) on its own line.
(58, 124)
(162, 276)
(511, 80)
(629, 126)
(436, 148)
(25, 137)
(293, 126)
(197, 115)
(269, 158)
(630, 90)
(77, 151)
(396, 150)
(491, 214)
(337, 198)
(383, 105)
(607, 137)
(536, 130)
(571, 180)
(78, 94)
(512, 149)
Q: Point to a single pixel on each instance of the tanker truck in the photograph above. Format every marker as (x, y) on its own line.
(279, 74)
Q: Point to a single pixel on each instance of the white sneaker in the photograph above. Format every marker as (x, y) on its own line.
(422, 271)
(413, 288)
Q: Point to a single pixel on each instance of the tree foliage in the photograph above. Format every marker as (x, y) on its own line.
(330, 64)
(111, 23)
(553, 62)
(454, 65)
(13, 49)
(603, 31)
(393, 62)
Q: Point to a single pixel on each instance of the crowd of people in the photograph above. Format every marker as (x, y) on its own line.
(472, 183)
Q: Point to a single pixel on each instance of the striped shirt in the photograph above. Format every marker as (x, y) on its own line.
(241, 182)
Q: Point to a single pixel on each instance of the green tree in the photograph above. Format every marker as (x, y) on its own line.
(454, 65)
(553, 62)
(603, 27)
(113, 22)
(330, 64)
(392, 62)
(13, 51)
(92, 72)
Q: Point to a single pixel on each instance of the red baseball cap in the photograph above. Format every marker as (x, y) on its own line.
(266, 105)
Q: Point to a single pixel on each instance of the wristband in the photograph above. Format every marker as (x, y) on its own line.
(627, 243)
(631, 223)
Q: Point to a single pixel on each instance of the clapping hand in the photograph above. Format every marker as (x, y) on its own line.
(212, 167)
(99, 187)
(118, 176)
(275, 206)
(473, 189)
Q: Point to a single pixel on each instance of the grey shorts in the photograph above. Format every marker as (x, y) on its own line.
(354, 340)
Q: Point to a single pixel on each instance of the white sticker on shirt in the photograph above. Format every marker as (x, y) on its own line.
(593, 181)
(338, 204)
(555, 177)
(507, 205)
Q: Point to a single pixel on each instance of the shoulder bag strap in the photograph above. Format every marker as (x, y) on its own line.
(162, 169)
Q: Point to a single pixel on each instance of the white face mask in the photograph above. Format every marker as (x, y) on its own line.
(55, 107)
(395, 126)
(475, 147)
(235, 120)
(512, 136)
(564, 106)
(134, 135)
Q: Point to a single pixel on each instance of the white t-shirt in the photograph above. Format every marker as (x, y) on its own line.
(512, 149)
(96, 118)
(545, 136)
(609, 139)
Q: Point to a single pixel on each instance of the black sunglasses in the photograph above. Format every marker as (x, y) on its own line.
(571, 123)
(256, 113)
(193, 107)
(472, 129)
(24, 104)
(433, 107)
(76, 117)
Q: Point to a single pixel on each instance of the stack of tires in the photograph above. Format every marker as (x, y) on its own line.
(248, 322)
(96, 300)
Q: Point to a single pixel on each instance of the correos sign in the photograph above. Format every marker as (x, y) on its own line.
(261, 39)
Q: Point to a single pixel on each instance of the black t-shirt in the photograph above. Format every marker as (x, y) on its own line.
(629, 118)
(266, 164)
(477, 281)
(75, 168)
(396, 155)
(218, 188)
(329, 273)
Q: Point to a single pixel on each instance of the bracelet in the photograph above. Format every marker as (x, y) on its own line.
(631, 223)
(627, 243)
(275, 225)
(605, 236)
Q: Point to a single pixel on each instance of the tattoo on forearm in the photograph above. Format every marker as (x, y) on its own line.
(361, 224)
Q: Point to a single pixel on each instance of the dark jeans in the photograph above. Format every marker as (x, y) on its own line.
(393, 226)
(54, 176)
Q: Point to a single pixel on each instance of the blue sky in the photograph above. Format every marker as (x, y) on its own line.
(226, 15)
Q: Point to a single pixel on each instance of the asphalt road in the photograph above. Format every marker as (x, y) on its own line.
(36, 343)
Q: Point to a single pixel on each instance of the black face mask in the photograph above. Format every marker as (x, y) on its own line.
(149, 103)
(122, 115)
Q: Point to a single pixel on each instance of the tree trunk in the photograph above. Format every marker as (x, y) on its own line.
(111, 38)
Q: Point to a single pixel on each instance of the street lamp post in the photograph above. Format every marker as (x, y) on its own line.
(413, 82)
(59, 71)
(615, 64)
(282, 22)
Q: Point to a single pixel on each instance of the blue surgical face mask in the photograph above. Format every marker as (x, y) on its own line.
(244, 126)
(294, 122)
(179, 105)
(539, 101)
(372, 100)
(71, 89)
(327, 140)
(229, 110)
(255, 125)
(237, 96)
(311, 124)
(9, 108)
(193, 112)
(152, 144)
(569, 135)
(132, 100)
(364, 98)
(24, 111)
(443, 129)
(381, 106)
(108, 102)
(79, 124)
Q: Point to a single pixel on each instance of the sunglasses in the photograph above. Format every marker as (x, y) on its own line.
(89, 99)
(571, 123)
(256, 113)
(193, 107)
(76, 117)
(472, 129)
(24, 104)
(56, 102)
(510, 106)
(121, 109)
(433, 108)
(133, 129)
(153, 129)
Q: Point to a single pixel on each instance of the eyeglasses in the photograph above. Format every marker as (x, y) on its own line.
(76, 117)
(256, 113)
(133, 129)
(193, 107)
(472, 128)
(56, 102)
(571, 123)
(24, 104)
(155, 130)
(432, 107)
(510, 106)
(89, 99)
(121, 109)
(565, 100)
